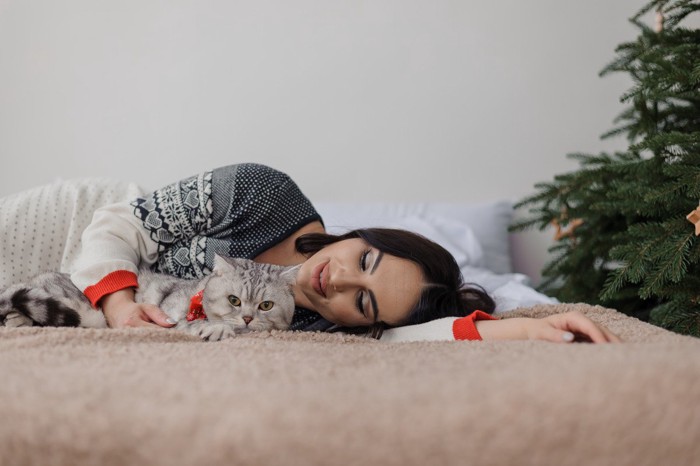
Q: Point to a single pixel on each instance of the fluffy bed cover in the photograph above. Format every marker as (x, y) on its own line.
(149, 397)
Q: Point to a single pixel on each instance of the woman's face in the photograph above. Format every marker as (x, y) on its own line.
(351, 283)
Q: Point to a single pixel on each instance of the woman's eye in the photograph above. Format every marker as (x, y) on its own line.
(234, 300)
(266, 305)
(363, 260)
(360, 304)
(360, 296)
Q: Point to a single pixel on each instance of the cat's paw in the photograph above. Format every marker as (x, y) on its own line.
(215, 331)
(15, 319)
(208, 330)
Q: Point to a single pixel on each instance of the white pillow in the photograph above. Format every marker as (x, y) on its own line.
(460, 238)
(487, 221)
(457, 238)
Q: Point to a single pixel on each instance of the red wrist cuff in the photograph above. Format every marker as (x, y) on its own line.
(464, 327)
(112, 282)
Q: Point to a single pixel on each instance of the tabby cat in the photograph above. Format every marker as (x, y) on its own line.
(239, 296)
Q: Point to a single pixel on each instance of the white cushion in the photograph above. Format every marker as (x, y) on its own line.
(455, 226)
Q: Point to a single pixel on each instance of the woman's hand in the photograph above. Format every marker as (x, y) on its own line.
(569, 327)
(557, 328)
(122, 311)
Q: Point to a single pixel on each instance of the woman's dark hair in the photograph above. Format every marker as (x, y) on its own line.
(445, 293)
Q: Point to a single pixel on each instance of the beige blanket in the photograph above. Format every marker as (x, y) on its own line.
(108, 397)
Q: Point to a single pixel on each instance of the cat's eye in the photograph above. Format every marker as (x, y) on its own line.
(234, 300)
(266, 305)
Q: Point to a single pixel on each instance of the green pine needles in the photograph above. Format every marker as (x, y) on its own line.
(630, 246)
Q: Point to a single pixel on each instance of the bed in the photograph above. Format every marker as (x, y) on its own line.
(148, 397)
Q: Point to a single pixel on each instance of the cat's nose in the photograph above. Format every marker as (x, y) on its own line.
(247, 319)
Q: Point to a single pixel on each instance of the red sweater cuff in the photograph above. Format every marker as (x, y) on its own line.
(112, 282)
(464, 328)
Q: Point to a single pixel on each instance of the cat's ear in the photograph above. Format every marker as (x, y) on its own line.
(219, 265)
(289, 276)
(222, 263)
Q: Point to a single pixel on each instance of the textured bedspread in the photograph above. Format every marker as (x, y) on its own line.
(77, 396)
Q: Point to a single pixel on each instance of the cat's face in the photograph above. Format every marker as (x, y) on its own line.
(252, 296)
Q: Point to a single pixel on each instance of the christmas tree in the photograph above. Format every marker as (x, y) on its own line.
(627, 221)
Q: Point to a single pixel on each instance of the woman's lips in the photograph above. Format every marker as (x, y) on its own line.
(324, 279)
(319, 278)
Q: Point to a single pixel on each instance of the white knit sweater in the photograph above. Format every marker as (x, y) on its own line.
(40, 228)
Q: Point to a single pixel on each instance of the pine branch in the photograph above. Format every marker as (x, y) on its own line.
(635, 250)
(671, 266)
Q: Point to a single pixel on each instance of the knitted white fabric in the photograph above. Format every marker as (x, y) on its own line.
(435, 330)
(40, 228)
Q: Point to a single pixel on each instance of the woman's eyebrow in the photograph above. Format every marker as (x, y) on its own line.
(376, 262)
(373, 298)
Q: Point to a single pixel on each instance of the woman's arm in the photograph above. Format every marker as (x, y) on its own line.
(242, 210)
(125, 236)
(557, 328)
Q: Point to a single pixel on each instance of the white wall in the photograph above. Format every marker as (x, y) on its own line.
(356, 99)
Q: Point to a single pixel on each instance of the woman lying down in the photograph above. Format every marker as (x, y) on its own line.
(233, 250)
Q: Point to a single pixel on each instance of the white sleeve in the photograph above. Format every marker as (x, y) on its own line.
(140, 231)
(115, 240)
(435, 330)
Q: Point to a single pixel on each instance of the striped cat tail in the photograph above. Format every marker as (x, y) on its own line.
(9, 316)
(24, 305)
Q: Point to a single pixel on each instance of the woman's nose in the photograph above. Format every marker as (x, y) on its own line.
(342, 279)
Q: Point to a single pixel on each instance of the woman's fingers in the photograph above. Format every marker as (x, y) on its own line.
(556, 335)
(140, 315)
(157, 316)
(584, 328)
(612, 338)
